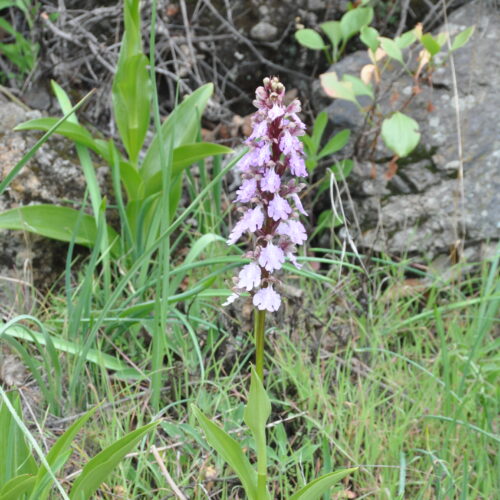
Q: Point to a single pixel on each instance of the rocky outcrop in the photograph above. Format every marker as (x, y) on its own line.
(423, 207)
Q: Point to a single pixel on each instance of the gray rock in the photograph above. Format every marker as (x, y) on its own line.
(53, 176)
(264, 31)
(421, 209)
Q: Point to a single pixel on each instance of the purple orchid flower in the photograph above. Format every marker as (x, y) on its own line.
(273, 205)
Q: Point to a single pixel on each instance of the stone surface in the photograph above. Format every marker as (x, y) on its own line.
(421, 209)
(264, 31)
(53, 176)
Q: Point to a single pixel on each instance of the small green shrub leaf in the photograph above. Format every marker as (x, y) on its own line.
(99, 467)
(336, 143)
(462, 38)
(333, 31)
(352, 21)
(359, 86)
(231, 452)
(310, 39)
(391, 48)
(406, 39)
(336, 89)
(400, 134)
(369, 36)
(430, 44)
(315, 489)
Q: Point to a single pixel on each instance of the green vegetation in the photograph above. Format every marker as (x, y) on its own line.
(374, 365)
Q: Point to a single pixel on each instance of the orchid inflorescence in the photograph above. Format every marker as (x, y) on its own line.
(274, 222)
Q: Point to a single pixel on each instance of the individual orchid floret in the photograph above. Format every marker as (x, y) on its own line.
(270, 170)
(266, 299)
(249, 277)
(271, 257)
(279, 208)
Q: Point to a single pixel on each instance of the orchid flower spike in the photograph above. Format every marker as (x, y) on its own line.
(269, 194)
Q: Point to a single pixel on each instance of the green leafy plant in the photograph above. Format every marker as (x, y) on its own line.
(141, 179)
(21, 477)
(398, 131)
(337, 32)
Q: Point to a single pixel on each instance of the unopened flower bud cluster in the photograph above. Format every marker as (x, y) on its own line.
(269, 195)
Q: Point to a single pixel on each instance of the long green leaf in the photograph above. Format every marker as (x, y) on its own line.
(57, 457)
(57, 223)
(99, 468)
(17, 487)
(93, 355)
(182, 123)
(231, 452)
(315, 489)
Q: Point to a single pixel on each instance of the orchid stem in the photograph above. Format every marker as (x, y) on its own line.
(259, 321)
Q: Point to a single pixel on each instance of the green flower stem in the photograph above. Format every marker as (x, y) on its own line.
(259, 321)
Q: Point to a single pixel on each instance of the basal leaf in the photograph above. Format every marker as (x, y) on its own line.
(315, 489)
(58, 223)
(318, 129)
(231, 452)
(131, 103)
(185, 156)
(98, 469)
(17, 487)
(183, 124)
(310, 39)
(400, 134)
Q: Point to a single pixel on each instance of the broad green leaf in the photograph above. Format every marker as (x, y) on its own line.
(406, 39)
(93, 355)
(257, 412)
(352, 21)
(391, 48)
(16, 454)
(336, 89)
(58, 223)
(57, 457)
(132, 181)
(185, 156)
(17, 487)
(336, 143)
(431, 45)
(318, 129)
(231, 452)
(333, 32)
(462, 38)
(359, 86)
(309, 144)
(310, 39)
(315, 489)
(369, 36)
(131, 103)
(183, 123)
(77, 133)
(400, 134)
(100, 467)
